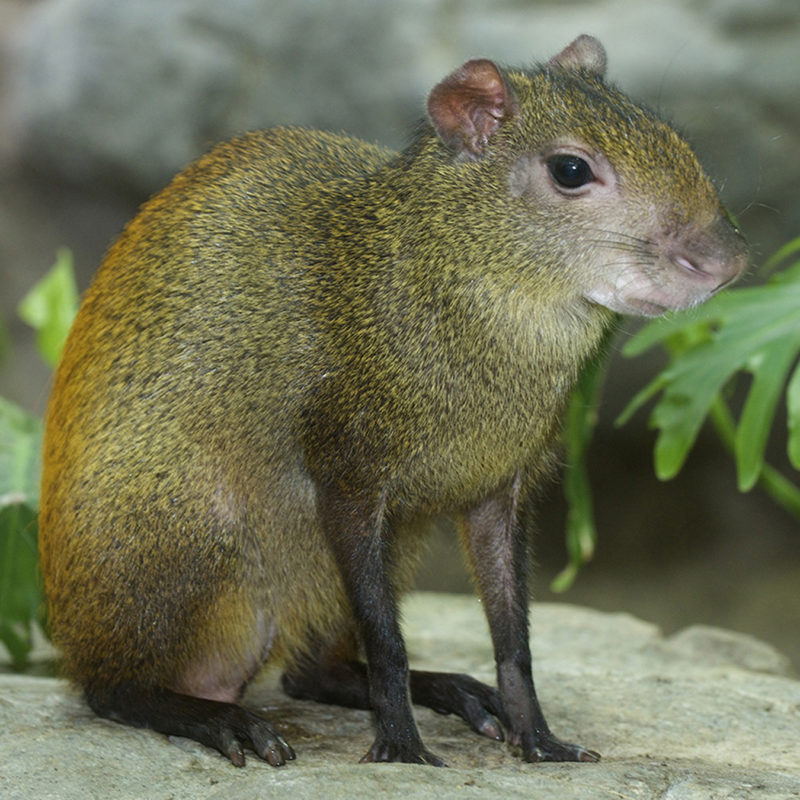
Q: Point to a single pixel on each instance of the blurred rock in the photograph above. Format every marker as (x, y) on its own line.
(133, 91)
(129, 92)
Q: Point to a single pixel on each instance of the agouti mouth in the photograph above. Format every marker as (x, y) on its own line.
(648, 308)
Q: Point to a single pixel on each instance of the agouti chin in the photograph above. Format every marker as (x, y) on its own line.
(303, 348)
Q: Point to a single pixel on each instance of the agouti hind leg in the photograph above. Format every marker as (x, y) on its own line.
(346, 684)
(226, 727)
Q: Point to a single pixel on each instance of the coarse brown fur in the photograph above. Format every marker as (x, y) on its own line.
(300, 311)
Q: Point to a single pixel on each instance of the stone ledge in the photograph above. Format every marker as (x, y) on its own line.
(704, 713)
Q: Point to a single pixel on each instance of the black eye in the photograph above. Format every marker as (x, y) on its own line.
(569, 172)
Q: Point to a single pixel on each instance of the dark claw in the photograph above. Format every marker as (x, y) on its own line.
(230, 747)
(270, 746)
(491, 729)
(224, 726)
(481, 710)
(236, 728)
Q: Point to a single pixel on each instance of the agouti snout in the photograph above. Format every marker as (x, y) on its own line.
(303, 348)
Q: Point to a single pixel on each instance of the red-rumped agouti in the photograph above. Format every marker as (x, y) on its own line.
(303, 348)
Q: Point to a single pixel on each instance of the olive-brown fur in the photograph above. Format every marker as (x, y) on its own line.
(299, 310)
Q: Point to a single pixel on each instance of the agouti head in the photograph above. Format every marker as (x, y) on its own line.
(605, 196)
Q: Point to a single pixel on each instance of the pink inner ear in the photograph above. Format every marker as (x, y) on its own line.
(466, 108)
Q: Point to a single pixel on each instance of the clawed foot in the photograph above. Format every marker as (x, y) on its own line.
(476, 703)
(406, 753)
(480, 706)
(236, 728)
(547, 747)
(224, 726)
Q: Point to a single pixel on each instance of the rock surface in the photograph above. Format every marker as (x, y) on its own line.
(702, 714)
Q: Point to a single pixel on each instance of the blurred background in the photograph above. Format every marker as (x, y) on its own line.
(102, 101)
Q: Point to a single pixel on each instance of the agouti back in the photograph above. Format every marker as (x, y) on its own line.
(303, 348)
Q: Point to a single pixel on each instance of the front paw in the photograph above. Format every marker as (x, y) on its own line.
(405, 752)
(546, 747)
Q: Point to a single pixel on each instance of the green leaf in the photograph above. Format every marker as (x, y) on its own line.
(679, 330)
(785, 252)
(20, 455)
(691, 385)
(769, 367)
(655, 333)
(793, 421)
(581, 419)
(20, 595)
(641, 398)
(756, 330)
(51, 306)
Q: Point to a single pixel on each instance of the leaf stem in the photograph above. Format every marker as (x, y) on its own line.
(776, 485)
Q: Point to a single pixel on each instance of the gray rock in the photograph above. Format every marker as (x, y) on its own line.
(713, 646)
(705, 713)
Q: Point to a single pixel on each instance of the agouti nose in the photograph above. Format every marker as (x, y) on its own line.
(731, 257)
(722, 270)
(726, 268)
(718, 255)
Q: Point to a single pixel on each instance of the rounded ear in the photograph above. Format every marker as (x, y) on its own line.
(467, 107)
(585, 52)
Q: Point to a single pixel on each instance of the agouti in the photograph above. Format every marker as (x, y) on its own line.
(303, 348)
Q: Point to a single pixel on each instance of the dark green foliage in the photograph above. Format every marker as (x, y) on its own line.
(579, 424)
(752, 330)
(749, 330)
(20, 595)
(49, 307)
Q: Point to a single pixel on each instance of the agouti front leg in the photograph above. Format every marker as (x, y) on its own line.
(357, 538)
(498, 552)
